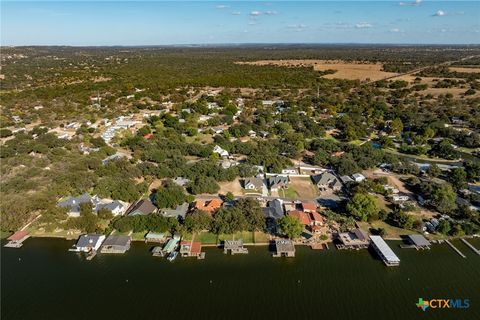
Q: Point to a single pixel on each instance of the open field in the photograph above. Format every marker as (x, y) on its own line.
(231, 186)
(343, 70)
(463, 69)
(304, 187)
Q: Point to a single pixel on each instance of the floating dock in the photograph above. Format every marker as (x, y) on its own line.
(455, 248)
(471, 246)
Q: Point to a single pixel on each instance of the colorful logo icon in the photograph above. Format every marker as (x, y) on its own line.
(422, 304)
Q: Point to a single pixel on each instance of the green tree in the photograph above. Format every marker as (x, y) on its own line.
(363, 206)
(198, 221)
(290, 226)
(169, 196)
(444, 198)
(253, 213)
(458, 178)
(434, 170)
(444, 226)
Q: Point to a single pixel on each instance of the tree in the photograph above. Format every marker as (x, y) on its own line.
(203, 184)
(290, 226)
(229, 220)
(169, 196)
(396, 126)
(444, 226)
(253, 213)
(363, 206)
(444, 198)
(229, 197)
(458, 178)
(473, 170)
(198, 221)
(434, 170)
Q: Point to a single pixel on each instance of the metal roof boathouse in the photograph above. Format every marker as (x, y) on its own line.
(384, 251)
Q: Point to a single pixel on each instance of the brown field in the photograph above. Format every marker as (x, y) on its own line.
(344, 70)
(231, 186)
(463, 69)
(304, 187)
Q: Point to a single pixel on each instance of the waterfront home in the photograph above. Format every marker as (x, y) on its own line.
(274, 209)
(155, 237)
(220, 151)
(284, 248)
(277, 182)
(358, 177)
(116, 244)
(73, 204)
(16, 239)
(357, 239)
(309, 207)
(89, 242)
(307, 218)
(179, 212)
(191, 249)
(253, 184)
(208, 206)
(116, 207)
(143, 207)
(234, 246)
(326, 181)
(384, 251)
(418, 241)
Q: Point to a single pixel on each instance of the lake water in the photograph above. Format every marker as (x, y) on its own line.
(44, 281)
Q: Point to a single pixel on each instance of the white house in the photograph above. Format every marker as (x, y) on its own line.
(400, 198)
(220, 151)
(89, 242)
(358, 177)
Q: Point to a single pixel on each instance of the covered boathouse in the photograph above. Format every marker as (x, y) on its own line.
(384, 251)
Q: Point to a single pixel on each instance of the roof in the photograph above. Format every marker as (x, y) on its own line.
(309, 206)
(209, 205)
(284, 245)
(418, 240)
(190, 246)
(277, 180)
(257, 182)
(358, 176)
(88, 240)
(385, 250)
(179, 211)
(300, 215)
(74, 202)
(362, 235)
(314, 216)
(229, 244)
(326, 178)
(117, 240)
(274, 209)
(171, 244)
(19, 235)
(154, 235)
(142, 207)
(346, 179)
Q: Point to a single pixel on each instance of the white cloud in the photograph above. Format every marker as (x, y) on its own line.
(236, 13)
(363, 25)
(255, 13)
(222, 6)
(440, 13)
(297, 27)
(395, 30)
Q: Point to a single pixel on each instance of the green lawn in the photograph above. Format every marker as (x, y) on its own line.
(201, 137)
(206, 238)
(261, 237)
(288, 193)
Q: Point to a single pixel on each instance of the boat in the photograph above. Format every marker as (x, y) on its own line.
(172, 256)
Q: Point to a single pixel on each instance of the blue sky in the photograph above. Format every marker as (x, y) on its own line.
(216, 22)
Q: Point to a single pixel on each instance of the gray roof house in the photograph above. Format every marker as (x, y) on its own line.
(277, 182)
(142, 207)
(73, 204)
(274, 210)
(253, 183)
(116, 244)
(326, 181)
(89, 242)
(179, 211)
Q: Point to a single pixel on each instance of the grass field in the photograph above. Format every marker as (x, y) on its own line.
(206, 238)
(288, 193)
(303, 187)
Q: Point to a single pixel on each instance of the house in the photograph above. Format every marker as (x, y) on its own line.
(309, 207)
(143, 207)
(209, 205)
(290, 170)
(116, 244)
(181, 181)
(327, 181)
(191, 249)
(274, 210)
(358, 177)
(253, 184)
(284, 248)
(73, 204)
(89, 242)
(116, 207)
(179, 212)
(400, 198)
(234, 246)
(220, 151)
(307, 218)
(277, 182)
(356, 239)
(346, 179)
(228, 163)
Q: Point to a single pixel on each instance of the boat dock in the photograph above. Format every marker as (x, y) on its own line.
(16, 240)
(455, 248)
(471, 246)
(384, 251)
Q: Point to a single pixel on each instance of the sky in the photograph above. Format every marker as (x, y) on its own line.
(99, 23)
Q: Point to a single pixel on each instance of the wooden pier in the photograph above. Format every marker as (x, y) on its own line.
(454, 248)
(471, 246)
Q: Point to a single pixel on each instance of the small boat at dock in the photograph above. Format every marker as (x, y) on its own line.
(172, 256)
